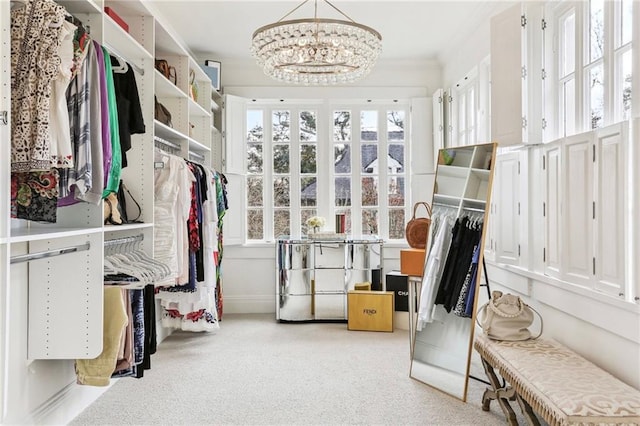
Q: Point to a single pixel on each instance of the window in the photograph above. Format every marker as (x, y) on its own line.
(363, 174)
(593, 64)
(466, 109)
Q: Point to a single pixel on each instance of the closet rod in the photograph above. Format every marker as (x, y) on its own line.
(195, 154)
(447, 206)
(115, 52)
(49, 253)
(166, 142)
(124, 240)
(472, 209)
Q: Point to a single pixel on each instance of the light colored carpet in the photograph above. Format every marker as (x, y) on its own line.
(255, 370)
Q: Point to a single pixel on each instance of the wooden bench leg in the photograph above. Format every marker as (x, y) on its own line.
(527, 411)
(499, 393)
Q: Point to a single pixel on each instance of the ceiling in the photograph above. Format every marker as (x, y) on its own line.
(411, 30)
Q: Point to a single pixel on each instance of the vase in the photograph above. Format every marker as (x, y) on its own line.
(316, 229)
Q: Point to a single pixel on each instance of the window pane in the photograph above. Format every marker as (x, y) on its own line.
(308, 131)
(369, 221)
(281, 159)
(626, 84)
(304, 215)
(370, 191)
(369, 158)
(308, 158)
(369, 126)
(568, 45)
(281, 192)
(395, 123)
(596, 95)
(281, 126)
(342, 158)
(342, 125)
(255, 223)
(568, 108)
(308, 191)
(281, 223)
(343, 191)
(396, 224)
(396, 191)
(462, 115)
(596, 33)
(347, 213)
(626, 16)
(254, 192)
(254, 158)
(395, 160)
(255, 126)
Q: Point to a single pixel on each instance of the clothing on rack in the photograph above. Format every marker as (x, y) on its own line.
(451, 265)
(72, 119)
(187, 237)
(465, 236)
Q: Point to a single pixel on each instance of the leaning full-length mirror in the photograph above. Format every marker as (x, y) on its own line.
(453, 266)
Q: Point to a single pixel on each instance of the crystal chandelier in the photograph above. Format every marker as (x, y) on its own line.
(316, 51)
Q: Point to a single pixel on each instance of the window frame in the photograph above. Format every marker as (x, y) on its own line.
(324, 167)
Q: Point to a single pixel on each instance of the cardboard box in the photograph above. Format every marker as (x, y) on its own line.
(412, 261)
(117, 18)
(370, 310)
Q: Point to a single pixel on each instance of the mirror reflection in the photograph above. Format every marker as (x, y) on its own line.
(448, 291)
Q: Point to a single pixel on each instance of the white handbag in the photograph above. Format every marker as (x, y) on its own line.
(506, 317)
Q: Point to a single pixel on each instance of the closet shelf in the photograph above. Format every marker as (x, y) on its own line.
(167, 132)
(128, 46)
(165, 88)
(197, 110)
(75, 6)
(38, 232)
(127, 227)
(194, 145)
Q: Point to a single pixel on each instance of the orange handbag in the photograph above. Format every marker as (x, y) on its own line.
(417, 228)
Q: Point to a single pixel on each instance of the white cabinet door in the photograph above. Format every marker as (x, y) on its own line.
(438, 124)
(577, 211)
(233, 134)
(551, 209)
(506, 225)
(609, 215)
(516, 70)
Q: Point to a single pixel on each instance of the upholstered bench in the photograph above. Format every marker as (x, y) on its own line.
(562, 387)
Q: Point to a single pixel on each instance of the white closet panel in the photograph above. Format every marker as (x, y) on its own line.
(65, 300)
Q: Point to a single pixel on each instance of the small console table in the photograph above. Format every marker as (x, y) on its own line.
(313, 276)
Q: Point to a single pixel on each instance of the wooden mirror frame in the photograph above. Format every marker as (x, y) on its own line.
(441, 350)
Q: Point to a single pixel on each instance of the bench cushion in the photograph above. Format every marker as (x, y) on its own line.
(560, 385)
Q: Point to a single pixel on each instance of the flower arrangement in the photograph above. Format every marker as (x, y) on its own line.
(316, 222)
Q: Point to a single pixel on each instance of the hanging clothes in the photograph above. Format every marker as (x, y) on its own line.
(36, 30)
(433, 270)
(467, 293)
(465, 237)
(130, 119)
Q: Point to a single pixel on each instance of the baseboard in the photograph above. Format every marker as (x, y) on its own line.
(65, 405)
(249, 305)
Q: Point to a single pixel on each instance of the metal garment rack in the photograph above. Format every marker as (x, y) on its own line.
(124, 240)
(196, 155)
(49, 253)
(165, 142)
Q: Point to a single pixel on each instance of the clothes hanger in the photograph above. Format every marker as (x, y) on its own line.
(121, 67)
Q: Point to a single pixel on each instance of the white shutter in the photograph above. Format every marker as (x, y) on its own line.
(507, 223)
(551, 209)
(577, 210)
(610, 205)
(233, 138)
